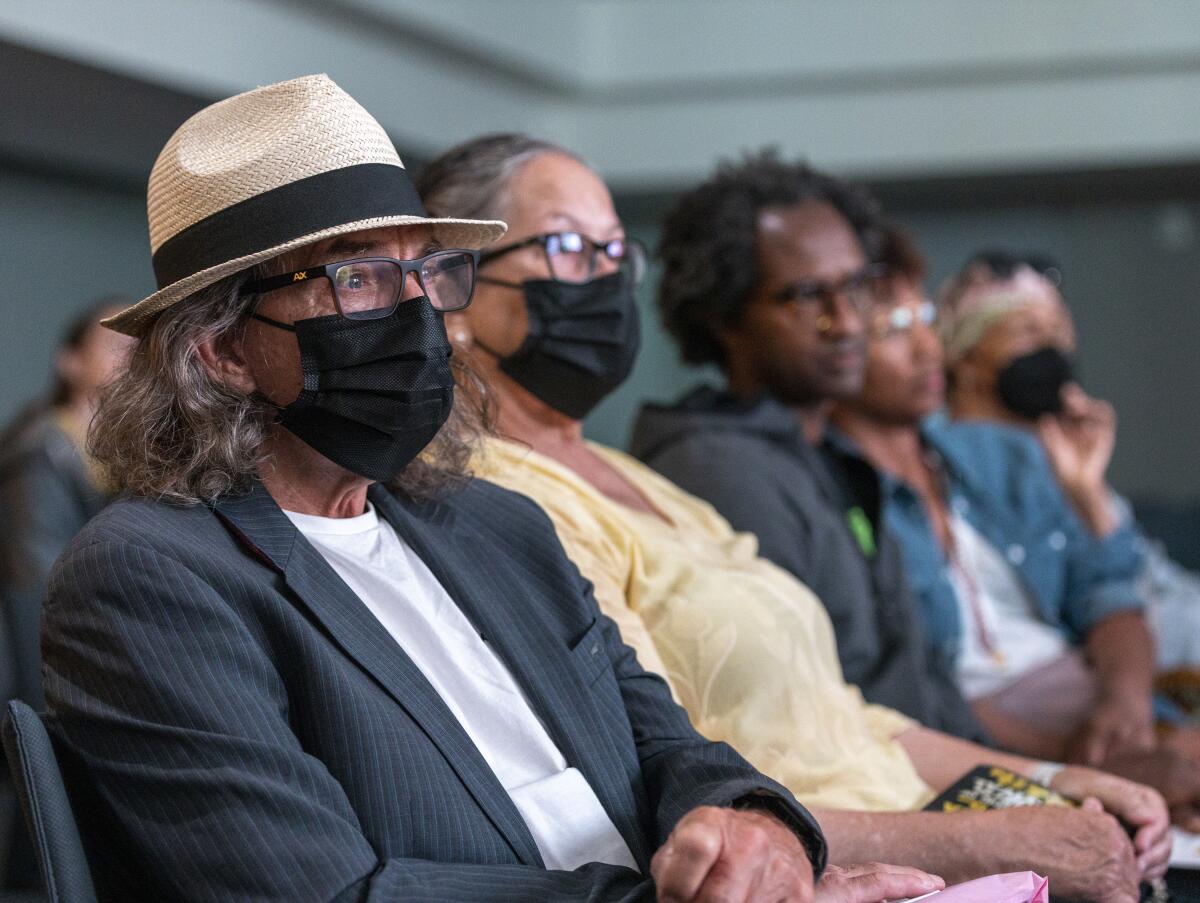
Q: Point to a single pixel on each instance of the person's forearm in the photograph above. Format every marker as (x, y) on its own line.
(931, 841)
(1009, 732)
(1121, 651)
(941, 759)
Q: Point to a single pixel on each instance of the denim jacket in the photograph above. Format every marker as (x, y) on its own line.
(999, 480)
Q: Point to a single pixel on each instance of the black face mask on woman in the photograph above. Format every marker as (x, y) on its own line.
(583, 339)
(375, 392)
(1031, 385)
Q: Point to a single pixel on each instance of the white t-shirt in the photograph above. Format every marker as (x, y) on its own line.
(562, 811)
(1019, 640)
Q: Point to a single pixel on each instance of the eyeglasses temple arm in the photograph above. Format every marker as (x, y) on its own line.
(492, 254)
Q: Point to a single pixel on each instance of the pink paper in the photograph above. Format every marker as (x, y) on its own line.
(1015, 887)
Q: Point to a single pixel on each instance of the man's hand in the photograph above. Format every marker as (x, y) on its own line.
(873, 883)
(1079, 442)
(1173, 774)
(1120, 723)
(1084, 852)
(732, 855)
(1139, 806)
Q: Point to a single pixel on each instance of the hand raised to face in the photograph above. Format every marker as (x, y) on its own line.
(1080, 439)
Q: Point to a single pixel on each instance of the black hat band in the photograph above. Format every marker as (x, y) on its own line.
(278, 216)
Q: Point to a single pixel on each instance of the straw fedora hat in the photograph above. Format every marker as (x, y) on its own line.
(277, 168)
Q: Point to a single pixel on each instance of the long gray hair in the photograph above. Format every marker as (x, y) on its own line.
(167, 429)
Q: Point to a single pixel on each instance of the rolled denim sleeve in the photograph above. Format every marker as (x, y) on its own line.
(1101, 574)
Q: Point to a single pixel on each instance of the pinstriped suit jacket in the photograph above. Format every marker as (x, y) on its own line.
(236, 725)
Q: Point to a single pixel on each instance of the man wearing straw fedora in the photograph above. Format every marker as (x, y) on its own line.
(305, 657)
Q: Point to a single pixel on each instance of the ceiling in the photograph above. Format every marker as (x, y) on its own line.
(653, 91)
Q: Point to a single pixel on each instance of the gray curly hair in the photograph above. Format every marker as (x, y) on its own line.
(165, 428)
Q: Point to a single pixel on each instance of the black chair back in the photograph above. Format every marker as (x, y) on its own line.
(43, 796)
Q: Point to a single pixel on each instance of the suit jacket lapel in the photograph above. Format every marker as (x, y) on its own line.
(264, 529)
(478, 586)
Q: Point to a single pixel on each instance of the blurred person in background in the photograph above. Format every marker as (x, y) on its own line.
(1010, 356)
(1052, 647)
(1009, 352)
(740, 291)
(50, 486)
(749, 649)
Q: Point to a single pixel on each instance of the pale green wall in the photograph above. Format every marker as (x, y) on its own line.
(64, 244)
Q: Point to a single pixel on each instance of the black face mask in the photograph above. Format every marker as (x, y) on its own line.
(375, 392)
(582, 342)
(1031, 385)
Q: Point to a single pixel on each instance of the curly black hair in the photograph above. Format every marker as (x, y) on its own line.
(708, 242)
(901, 255)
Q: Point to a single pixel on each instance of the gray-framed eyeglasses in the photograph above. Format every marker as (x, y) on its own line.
(370, 288)
(572, 256)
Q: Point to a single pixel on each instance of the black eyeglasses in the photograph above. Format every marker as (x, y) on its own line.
(571, 256)
(370, 288)
(861, 289)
